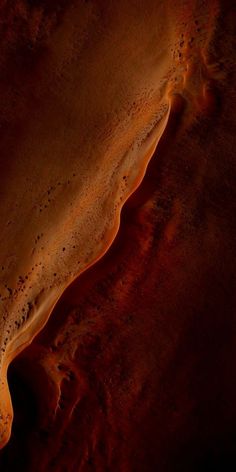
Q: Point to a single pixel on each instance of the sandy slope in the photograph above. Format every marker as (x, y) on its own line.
(122, 359)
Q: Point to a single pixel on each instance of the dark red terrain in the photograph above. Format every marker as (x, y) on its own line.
(134, 371)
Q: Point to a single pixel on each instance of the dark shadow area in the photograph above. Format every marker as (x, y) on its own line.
(15, 456)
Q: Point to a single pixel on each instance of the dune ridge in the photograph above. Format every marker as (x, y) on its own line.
(86, 124)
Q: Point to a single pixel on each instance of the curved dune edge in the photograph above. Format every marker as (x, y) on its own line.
(38, 322)
(14, 347)
(53, 349)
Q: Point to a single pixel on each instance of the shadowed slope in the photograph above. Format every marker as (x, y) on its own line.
(134, 370)
(72, 128)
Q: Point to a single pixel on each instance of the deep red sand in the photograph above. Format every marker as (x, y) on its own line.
(135, 369)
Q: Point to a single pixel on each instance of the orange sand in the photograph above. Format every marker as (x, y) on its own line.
(86, 97)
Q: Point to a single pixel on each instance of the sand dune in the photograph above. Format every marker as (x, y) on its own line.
(86, 124)
(90, 95)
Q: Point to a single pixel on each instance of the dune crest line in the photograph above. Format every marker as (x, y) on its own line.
(86, 96)
(38, 321)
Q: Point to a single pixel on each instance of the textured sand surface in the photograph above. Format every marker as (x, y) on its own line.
(86, 123)
(135, 363)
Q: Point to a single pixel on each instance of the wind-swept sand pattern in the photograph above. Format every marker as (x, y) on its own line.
(90, 93)
(86, 123)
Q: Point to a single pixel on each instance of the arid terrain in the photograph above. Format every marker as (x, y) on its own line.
(118, 236)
